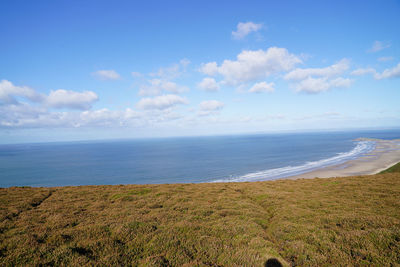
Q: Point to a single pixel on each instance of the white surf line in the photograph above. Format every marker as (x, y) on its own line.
(362, 147)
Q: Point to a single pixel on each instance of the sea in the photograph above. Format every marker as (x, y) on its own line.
(236, 158)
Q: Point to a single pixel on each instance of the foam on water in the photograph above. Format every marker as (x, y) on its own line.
(362, 147)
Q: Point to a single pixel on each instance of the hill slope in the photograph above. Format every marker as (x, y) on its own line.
(313, 222)
(395, 168)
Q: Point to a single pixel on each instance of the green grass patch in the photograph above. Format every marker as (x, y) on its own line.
(127, 195)
(394, 169)
(331, 183)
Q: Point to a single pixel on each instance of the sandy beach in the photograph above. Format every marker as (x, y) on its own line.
(385, 155)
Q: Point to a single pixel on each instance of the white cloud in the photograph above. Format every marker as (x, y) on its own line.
(173, 87)
(245, 28)
(317, 85)
(157, 86)
(378, 46)
(106, 117)
(384, 59)
(106, 75)
(389, 73)
(320, 116)
(161, 81)
(209, 84)
(252, 65)
(12, 114)
(333, 70)
(316, 80)
(173, 71)
(262, 87)
(184, 62)
(331, 114)
(170, 72)
(97, 117)
(26, 116)
(363, 71)
(210, 68)
(9, 92)
(136, 74)
(210, 107)
(386, 74)
(33, 119)
(312, 85)
(71, 99)
(276, 117)
(161, 102)
(340, 82)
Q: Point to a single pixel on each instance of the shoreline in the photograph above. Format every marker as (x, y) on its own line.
(385, 155)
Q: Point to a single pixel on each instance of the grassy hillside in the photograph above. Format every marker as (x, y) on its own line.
(394, 168)
(314, 222)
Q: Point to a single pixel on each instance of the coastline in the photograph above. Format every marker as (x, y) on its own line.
(368, 156)
(385, 155)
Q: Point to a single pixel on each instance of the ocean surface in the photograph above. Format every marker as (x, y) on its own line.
(180, 160)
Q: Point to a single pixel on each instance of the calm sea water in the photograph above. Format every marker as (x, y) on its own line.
(179, 160)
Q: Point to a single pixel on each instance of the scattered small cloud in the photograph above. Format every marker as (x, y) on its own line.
(136, 74)
(318, 85)
(184, 62)
(333, 70)
(25, 116)
(363, 71)
(331, 114)
(317, 80)
(161, 102)
(262, 87)
(106, 75)
(277, 117)
(321, 116)
(106, 117)
(209, 84)
(244, 29)
(210, 107)
(173, 71)
(378, 46)
(386, 74)
(389, 73)
(210, 68)
(9, 93)
(70, 99)
(244, 119)
(158, 86)
(384, 59)
(170, 72)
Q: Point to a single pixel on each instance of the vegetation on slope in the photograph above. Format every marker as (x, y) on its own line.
(314, 222)
(394, 168)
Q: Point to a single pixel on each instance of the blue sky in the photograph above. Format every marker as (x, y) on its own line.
(73, 70)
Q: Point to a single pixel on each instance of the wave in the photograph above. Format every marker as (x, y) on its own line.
(362, 147)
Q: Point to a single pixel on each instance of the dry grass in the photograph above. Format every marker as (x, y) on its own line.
(314, 222)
